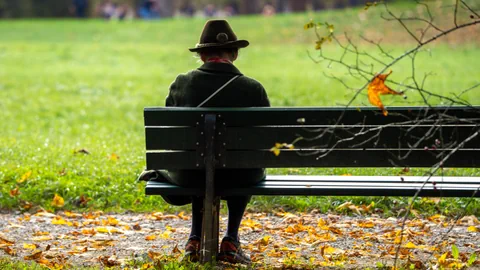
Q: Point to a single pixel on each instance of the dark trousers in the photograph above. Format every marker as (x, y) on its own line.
(223, 178)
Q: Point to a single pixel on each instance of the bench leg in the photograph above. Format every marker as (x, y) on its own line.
(209, 241)
(210, 230)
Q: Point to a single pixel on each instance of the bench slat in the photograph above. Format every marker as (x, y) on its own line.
(174, 116)
(374, 179)
(329, 188)
(347, 158)
(241, 138)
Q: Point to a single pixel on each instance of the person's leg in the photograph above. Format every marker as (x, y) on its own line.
(197, 217)
(236, 209)
(230, 249)
(192, 248)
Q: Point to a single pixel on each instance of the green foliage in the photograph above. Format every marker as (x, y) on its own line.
(72, 85)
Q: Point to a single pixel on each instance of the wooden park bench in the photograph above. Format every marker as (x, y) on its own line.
(220, 138)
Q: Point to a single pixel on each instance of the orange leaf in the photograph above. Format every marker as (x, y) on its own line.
(377, 87)
(58, 201)
(9, 251)
(34, 256)
(150, 237)
(14, 192)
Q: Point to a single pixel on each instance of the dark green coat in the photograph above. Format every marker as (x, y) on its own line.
(191, 89)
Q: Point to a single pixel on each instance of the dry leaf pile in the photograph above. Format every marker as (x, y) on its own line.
(67, 239)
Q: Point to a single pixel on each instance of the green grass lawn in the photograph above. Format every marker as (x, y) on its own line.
(67, 85)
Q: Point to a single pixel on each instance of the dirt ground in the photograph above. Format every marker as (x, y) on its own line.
(273, 240)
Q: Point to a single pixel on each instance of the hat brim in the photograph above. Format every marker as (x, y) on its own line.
(227, 45)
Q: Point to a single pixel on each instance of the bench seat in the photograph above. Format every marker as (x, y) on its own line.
(297, 185)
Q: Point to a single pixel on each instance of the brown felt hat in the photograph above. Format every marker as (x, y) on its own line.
(218, 34)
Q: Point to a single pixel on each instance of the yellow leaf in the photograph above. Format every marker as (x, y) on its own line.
(332, 250)
(58, 220)
(443, 259)
(112, 221)
(275, 151)
(309, 25)
(42, 238)
(114, 157)
(182, 216)
(72, 215)
(321, 222)
(29, 246)
(24, 177)
(437, 218)
(366, 224)
(410, 245)
(108, 229)
(58, 201)
(330, 27)
(165, 235)
(472, 229)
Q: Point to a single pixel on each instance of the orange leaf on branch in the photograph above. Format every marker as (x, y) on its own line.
(377, 87)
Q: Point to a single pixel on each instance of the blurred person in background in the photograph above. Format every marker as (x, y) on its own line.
(80, 8)
(210, 10)
(106, 9)
(268, 10)
(187, 9)
(150, 9)
(123, 12)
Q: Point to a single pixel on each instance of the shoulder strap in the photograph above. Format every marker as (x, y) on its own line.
(218, 90)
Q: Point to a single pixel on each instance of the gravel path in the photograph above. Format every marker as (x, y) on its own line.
(273, 240)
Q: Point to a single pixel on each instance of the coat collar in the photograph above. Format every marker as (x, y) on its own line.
(220, 68)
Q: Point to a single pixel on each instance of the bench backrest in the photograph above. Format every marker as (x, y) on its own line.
(324, 137)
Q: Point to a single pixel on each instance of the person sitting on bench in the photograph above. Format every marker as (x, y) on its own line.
(217, 83)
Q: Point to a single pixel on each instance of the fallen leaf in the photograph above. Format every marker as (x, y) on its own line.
(137, 227)
(150, 237)
(114, 157)
(58, 201)
(35, 256)
(108, 229)
(42, 238)
(30, 246)
(377, 87)
(15, 192)
(472, 229)
(9, 251)
(72, 215)
(109, 261)
(24, 177)
(7, 242)
(58, 220)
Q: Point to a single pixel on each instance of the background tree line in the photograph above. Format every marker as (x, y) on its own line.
(63, 8)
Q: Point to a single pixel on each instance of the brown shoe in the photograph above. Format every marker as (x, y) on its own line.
(230, 251)
(192, 250)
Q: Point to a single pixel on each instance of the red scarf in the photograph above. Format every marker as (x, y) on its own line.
(219, 60)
